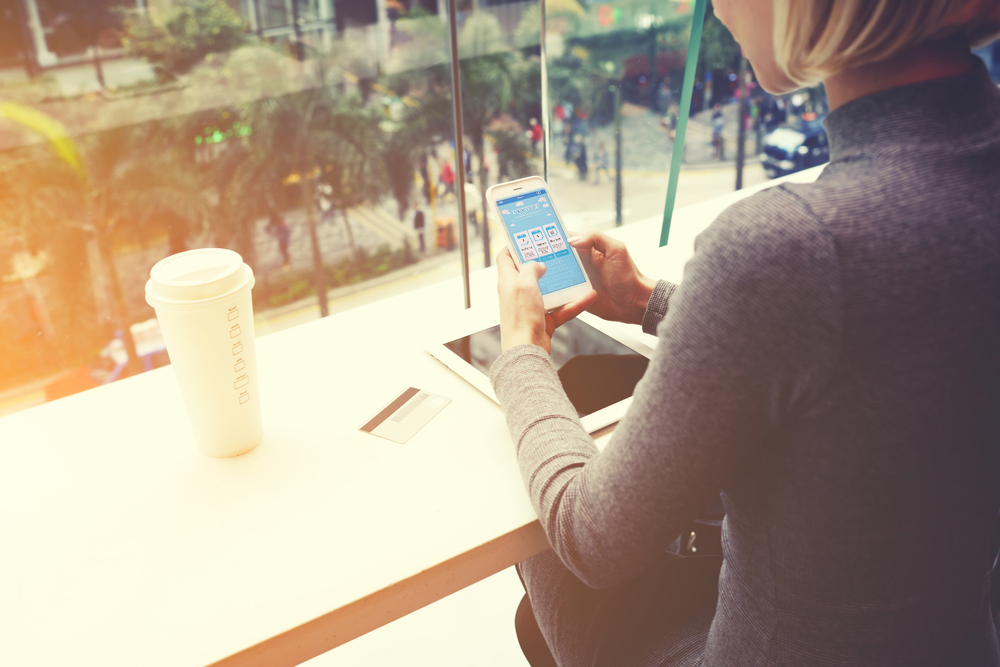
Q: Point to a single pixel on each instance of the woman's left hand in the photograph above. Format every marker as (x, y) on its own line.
(523, 319)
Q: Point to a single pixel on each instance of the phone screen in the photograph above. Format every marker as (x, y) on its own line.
(539, 237)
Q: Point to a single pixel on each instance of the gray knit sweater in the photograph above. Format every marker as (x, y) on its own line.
(831, 365)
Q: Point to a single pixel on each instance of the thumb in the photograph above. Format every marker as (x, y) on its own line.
(536, 270)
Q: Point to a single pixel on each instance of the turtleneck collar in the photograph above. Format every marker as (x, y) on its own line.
(910, 113)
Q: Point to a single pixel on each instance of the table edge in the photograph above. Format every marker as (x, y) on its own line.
(360, 617)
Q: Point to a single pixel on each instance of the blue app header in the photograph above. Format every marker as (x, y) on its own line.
(524, 195)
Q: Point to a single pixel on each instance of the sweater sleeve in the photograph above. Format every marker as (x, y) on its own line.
(750, 335)
(656, 309)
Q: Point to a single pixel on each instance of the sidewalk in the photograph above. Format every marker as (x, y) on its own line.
(647, 147)
(586, 206)
(433, 268)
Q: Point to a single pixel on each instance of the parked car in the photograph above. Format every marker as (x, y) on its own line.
(799, 144)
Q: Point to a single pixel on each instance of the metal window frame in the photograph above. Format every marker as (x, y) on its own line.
(456, 97)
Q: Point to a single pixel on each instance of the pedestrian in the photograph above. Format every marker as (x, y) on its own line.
(580, 157)
(535, 132)
(569, 125)
(663, 98)
(558, 120)
(324, 199)
(756, 122)
(781, 111)
(473, 197)
(600, 163)
(425, 177)
(418, 224)
(571, 151)
(718, 125)
(448, 178)
(827, 371)
(279, 229)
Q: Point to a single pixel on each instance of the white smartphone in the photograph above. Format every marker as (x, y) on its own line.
(535, 233)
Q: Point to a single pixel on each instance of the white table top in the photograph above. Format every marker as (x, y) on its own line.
(120, 544)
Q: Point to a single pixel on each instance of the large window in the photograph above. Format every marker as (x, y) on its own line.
(312, 135)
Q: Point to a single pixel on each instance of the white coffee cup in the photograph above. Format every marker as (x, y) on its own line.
(203, 303)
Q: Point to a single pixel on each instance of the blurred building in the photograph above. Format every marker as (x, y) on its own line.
(40, 35)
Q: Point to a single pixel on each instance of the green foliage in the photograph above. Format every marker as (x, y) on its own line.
(488, 81)
(316, 135)
(130, 178)
(348, 138)
(62, 286)
(486, 68)
(407, 142)
(513, 151)
(563, 16)
(526, 89)
(576, 80)
(69, 222)
(492, 76)
(189, 31)
(718, 49)
(295, 285)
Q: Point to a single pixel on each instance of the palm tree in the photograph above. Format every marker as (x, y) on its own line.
(351, 163)
(488, 78)
(513, 150)
(411, 138)
(122, 184)
(21, 257)
(303, 138)
(495, 79)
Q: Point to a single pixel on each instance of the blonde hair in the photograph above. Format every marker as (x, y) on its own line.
(816, 38)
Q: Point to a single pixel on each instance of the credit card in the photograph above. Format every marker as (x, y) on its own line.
(406, 415)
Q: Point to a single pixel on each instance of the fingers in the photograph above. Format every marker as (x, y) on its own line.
(534, 269)
(585, 240)
(594, 239)
(571, 310)
(506, 268)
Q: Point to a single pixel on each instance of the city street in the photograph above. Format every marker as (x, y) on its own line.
(584, 207)
(583, 204)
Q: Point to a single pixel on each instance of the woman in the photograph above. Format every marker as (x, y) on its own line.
(830, 365)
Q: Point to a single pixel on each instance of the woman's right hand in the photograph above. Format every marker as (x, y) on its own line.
(622, 290)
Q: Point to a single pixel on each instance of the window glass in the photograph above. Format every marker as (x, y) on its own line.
(279, 128)
(615, 74)
(316, 138)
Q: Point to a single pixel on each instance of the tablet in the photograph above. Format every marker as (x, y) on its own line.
(598, 365)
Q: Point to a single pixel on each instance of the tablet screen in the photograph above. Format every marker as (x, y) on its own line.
(595, 370)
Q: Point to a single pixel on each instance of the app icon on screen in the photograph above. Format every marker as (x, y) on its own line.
(538, 236)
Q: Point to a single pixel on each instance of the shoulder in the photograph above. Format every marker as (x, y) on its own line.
(765, 280)
(774, 231)
(766, 267)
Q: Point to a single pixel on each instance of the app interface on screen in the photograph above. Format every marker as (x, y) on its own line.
(539, 237)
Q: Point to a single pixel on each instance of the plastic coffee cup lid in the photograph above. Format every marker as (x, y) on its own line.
(196, 276)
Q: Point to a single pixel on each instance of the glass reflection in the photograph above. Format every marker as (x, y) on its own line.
(315, 138)
(595, 370)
